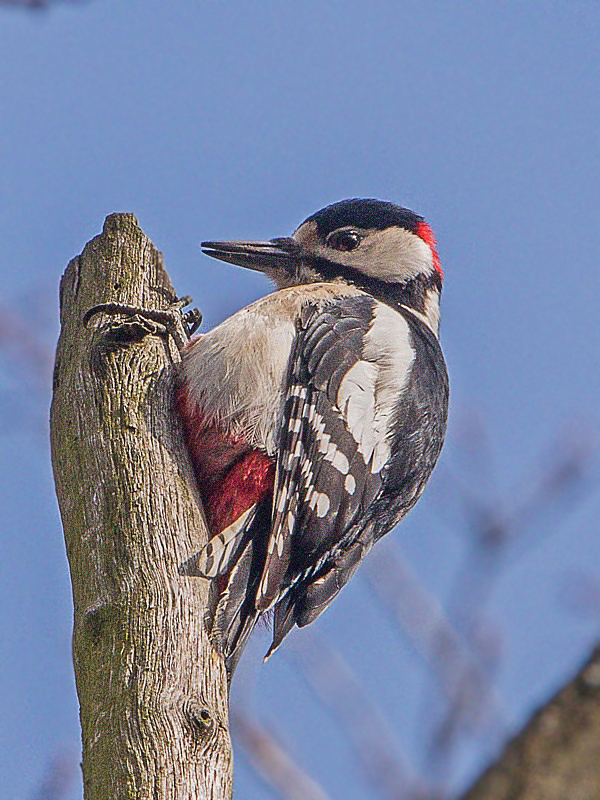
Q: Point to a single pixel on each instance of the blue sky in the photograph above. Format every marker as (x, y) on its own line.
(232, 120)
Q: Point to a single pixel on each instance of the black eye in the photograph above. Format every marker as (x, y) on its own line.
(344, 240)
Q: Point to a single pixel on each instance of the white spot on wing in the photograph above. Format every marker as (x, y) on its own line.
(319, 502)
(350, 484)
(338, 460)
(281, 503)
(298, 391)
(322, 505)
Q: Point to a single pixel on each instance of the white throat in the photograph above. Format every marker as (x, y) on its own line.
(431, 312)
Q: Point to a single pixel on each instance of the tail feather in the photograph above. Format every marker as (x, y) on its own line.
(319, 594)
(220, 552)
(233, 615)
(284, 620)
(235, 607)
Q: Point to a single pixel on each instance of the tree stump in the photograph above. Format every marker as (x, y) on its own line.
(153, 694)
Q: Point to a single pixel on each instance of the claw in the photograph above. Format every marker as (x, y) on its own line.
(193, 319)
(170, 321)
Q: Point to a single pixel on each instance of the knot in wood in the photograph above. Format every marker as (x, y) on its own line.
(200, 717)
(97, 621)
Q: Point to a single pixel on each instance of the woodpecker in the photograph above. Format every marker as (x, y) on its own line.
(315, 416)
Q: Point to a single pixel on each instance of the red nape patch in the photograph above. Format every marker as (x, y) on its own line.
(424, 232)
(247, 482)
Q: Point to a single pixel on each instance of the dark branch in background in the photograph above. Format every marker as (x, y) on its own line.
(557, 755)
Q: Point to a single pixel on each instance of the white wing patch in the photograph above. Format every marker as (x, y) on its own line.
(347, 374)
(368, 394)
(356, 401)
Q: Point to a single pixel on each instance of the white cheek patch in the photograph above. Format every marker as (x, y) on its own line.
(393, 254)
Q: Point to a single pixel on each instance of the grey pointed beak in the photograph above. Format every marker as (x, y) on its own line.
(275, 256)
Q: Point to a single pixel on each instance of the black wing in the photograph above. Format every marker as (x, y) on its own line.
(354, 455)
(351, 362)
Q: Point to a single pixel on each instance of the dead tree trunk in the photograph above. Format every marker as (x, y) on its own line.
(153, 695)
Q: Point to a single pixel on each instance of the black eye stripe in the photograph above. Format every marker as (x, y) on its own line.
(344, 240)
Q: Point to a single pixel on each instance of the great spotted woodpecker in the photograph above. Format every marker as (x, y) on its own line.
(314, 416)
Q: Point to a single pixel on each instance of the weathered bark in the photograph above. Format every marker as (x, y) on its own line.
(153, 695)
(557, 755)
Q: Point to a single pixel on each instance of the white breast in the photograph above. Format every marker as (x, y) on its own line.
(236, 372)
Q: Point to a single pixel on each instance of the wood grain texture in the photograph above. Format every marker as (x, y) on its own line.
(153, 695)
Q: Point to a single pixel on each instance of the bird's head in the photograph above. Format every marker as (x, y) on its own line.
(381, 248)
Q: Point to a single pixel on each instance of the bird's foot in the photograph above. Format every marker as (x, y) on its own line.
(140, 322)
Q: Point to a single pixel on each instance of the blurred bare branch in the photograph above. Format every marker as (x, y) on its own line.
(460, 645)
(420, 617)
(58, 779)
(27, 357)
(272, 762)
(338, 688)
(557, 481)
(496, 530)
(37, 5)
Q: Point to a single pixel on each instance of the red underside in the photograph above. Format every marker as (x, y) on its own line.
(249, 480)
(231, 476)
